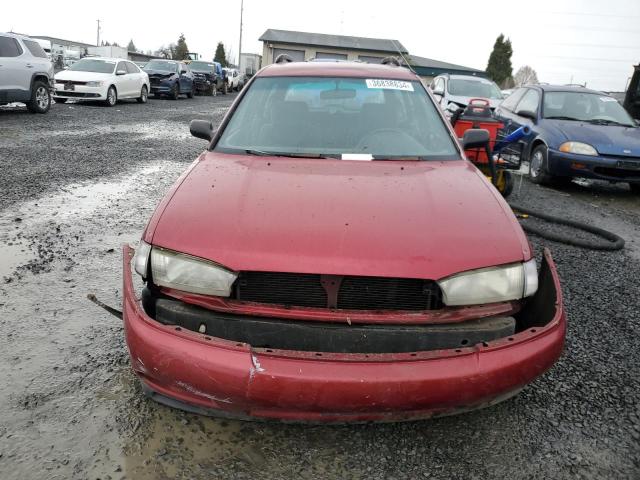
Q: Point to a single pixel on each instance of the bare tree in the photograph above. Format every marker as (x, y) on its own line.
(525, 76)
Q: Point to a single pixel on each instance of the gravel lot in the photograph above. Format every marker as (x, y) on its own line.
(82, 180)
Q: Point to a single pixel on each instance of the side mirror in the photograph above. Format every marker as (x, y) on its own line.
(439, 93)
(201, 129)
(121, 72)
(527, 114)
(475, 138)
(182, 72)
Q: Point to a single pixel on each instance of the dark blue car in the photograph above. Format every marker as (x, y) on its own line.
(576, 132)
(170, 77)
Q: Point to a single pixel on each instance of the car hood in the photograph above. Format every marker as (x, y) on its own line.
(606, 139)
(159, 73)
(81, 76)
(493, 102)
(383, 218)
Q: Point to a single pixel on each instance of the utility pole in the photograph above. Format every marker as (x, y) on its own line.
(98, 34)
(240, 46)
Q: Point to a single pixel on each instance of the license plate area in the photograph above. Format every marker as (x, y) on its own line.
(629, 165)
(69, 86)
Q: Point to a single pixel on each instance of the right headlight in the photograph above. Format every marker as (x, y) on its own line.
(183, 272)
(490, 285)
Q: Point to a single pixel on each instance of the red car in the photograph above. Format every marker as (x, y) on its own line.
(333, 257)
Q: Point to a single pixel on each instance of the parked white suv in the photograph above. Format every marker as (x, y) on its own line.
(26, 73)
(460, 89)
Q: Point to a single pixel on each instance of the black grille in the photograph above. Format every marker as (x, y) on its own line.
(355, 293)
(304, 290)
(379, 293)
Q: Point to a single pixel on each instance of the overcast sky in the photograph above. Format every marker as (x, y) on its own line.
(593, 41)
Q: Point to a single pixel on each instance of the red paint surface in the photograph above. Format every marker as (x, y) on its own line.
(218, 374)
(336, 69)
(391, 219)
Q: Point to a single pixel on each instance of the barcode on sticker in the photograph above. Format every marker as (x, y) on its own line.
(389, 84)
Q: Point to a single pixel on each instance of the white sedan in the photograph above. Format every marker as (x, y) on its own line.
(105, 79)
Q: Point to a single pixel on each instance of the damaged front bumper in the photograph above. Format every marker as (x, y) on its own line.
(211, 375)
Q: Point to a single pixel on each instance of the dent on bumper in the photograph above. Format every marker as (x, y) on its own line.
(207, 374)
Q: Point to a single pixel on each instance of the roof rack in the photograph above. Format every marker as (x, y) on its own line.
(391, 60)
(283, 58)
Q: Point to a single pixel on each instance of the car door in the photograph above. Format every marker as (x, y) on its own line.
(123, 81)
(15, 71)
(505, 112)
(526, 113)
(135, 77)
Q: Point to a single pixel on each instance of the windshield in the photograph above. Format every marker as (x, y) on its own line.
(202, 66)
(474, 88)
(303, 116)
(162, 66)
(584, 106)
(93, 65)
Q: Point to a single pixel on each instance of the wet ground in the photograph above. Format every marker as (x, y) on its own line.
(77, 183)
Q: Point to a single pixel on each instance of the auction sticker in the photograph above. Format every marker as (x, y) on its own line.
(389, 84)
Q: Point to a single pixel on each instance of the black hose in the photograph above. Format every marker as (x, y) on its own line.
(614, 241)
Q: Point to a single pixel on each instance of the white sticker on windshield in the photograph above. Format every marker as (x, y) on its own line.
(608, 99)
(389, 84)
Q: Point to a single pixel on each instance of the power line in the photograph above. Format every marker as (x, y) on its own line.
(587, 58)
(594, 45)
(602, 29)
(584, 14)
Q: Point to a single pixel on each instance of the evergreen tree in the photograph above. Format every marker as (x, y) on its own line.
(499, 67)
(131, 47)
(181, 51)
(221, 55)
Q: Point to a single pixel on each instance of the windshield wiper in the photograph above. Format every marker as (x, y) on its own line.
(262, 153)
(604, 121)
(399, 157)
(562, 117)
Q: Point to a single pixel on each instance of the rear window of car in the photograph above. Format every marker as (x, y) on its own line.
(132, 68)
(93, 65)
(474, 87)
(512, 100)
(9, 47)
(385, 119)
(35, 49)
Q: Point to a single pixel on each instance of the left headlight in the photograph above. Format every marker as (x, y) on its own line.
(578, 147)
(94, 84)
(489, 285)
(190, 274)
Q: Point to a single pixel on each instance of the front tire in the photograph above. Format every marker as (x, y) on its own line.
(635, 188)
(539, 167)
(191, 92)
(225, 88)
(40, 101)
(112, 97)
(144, 95)
(175, 92)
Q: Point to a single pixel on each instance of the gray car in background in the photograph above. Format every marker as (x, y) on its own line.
(25, 73)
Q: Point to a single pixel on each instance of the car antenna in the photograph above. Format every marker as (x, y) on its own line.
(407, 63)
